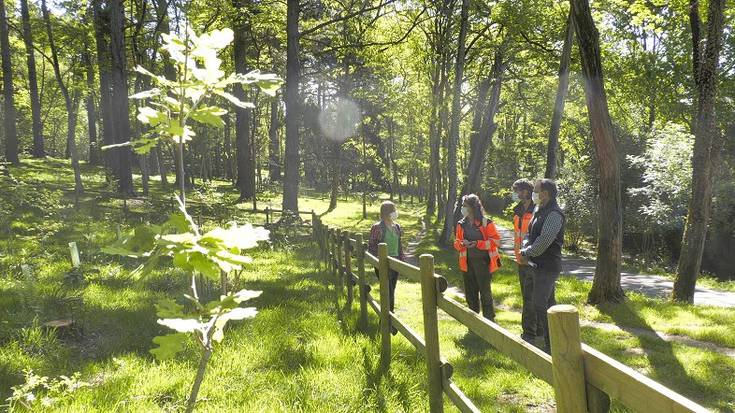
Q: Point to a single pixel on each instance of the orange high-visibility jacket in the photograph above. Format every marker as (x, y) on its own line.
(520, 229)
(490, 241)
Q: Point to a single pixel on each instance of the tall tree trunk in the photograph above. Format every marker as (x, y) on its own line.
(9, 115)
(453, 138)
(706, 153)
(483, 129)
(229, 172)
(293, 108)
(102, 30)
(70, 103)
(336, 163)
(119, 98)
(91, 110)
(38, 145)
(161, 166)
(552, 149)
(274, 147)
(243, 138)
(606, 284)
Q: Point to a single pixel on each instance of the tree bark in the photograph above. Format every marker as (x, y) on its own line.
(706, 151)
(293, 108)
(9, 114)
(119, 98)
(606, 284)
(91, 109)
(38, 144)
(453, 138)
(552, 149)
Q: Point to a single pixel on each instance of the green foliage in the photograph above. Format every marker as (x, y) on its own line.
(40, 392)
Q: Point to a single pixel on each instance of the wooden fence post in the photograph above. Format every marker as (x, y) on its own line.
(385, 324)
(267, 215)
(431, 332)
(567, 361)
(361, 276)
(339, 234)
(348, 268)
(74, 251)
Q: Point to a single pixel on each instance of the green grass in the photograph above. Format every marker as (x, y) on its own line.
(303, 352)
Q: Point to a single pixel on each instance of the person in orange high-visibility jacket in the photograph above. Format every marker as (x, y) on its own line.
(477, 242)
(522, 214)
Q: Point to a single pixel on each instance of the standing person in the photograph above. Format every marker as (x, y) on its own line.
(388, 231)
(477, 242)
(522, 214)
(542, 249)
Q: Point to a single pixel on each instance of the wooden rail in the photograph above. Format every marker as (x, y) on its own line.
(583, 378)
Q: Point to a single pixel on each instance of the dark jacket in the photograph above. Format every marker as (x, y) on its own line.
(551, 258)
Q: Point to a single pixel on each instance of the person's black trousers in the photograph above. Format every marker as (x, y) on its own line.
(544, 289)
(528, 316)
(477, 288)
(392, 283)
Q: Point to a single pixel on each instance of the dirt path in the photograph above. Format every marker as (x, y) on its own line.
(650, 285)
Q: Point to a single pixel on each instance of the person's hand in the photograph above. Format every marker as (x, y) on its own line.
(524, 260)
(471, 244)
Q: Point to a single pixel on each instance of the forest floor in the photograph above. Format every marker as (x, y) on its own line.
(303, 352)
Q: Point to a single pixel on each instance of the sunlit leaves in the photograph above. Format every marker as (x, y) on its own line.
(168, 345)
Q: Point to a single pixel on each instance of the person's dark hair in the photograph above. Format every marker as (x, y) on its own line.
(473, 201)
(549, 186)
(386, 208)
(522, 184)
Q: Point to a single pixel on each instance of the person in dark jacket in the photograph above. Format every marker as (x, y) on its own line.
(388, 231)
(522, 215)
(542, 251)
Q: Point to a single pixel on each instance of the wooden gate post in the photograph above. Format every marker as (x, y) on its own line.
(567, 361)
(431, 332)
(340, 261)
(361, 276)
(74, 252)
(267, 215)
(348, 268)
(385, 333)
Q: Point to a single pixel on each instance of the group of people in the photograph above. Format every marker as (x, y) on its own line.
(538, 224)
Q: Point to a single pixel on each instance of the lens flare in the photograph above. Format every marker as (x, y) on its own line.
(339, 120)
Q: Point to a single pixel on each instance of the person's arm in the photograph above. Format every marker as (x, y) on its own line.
(457, 240)
(551, 228)
(374, 240)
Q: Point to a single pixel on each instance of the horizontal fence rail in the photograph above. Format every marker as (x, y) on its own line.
(583, 378)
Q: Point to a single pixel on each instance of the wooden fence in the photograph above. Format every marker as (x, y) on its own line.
(583, 378)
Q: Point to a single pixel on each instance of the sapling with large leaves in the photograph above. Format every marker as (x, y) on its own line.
(172, 103)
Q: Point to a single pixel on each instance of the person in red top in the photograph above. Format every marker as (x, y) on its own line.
(477, 242)
(522, 214)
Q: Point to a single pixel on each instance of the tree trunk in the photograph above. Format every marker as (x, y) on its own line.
(453, 138)
(38, 145)
(561, 95)
(606, 283)
(91, 110)
(243, 139)
(161, 166)
(293, 109)
(119, 98)
(274, 147)
(9, 114)
(336, 163)
(102, 30)
(71, 138)
(706, 153)
(229, 172)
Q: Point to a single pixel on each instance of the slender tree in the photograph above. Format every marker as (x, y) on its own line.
(274, 145)
(9, 114)
(706, 149)
(606, 284)
(102, 46)
(243, 120)
(70, 102)
(552, 149)
(456, 117)
(38, 143)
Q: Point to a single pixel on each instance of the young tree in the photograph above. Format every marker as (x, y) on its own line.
(38, 143)
(9, 114)
(606, 285)
(552, 149)
(706, 148)
(71, 103)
